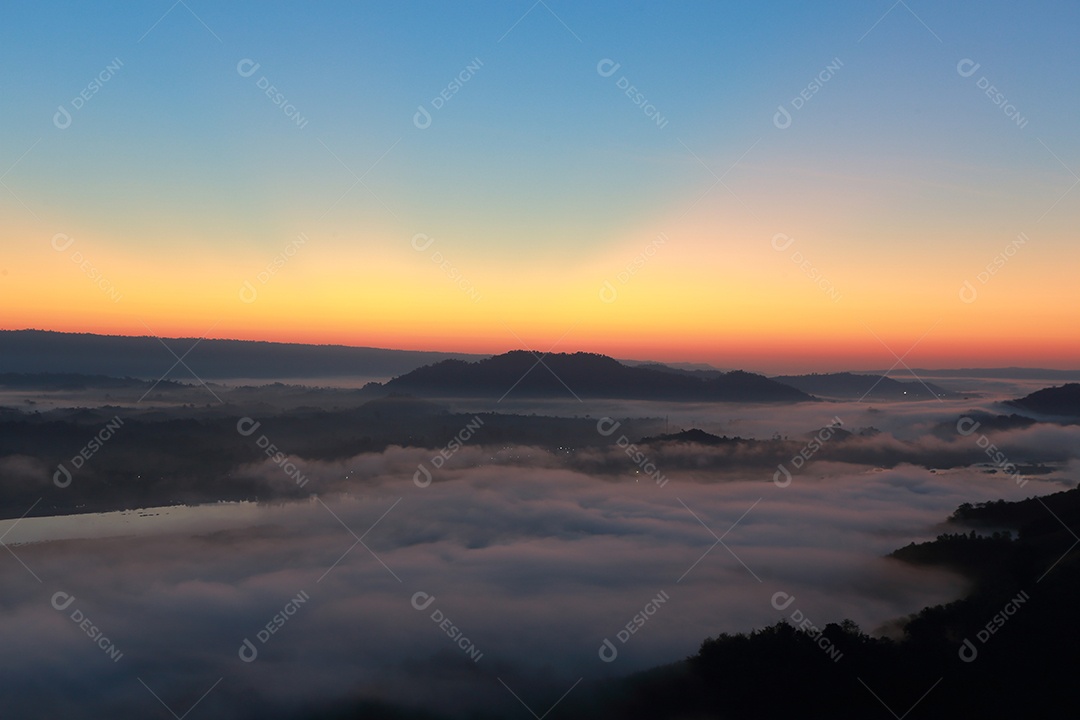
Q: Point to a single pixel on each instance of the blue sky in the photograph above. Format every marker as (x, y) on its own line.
(539, 162)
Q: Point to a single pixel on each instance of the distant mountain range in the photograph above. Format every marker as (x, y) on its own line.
(1005, 373)
(675, 366)
(585, 375)
(147, 357)
(846, 386)
(680, 369)
(41, 351)
(1063, 401)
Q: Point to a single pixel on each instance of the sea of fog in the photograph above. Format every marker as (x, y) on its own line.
(495, 583)
(532, 569)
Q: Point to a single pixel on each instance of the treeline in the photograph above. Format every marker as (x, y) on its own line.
(1008, 650)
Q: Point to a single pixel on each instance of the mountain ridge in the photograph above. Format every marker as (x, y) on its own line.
(146, 357)
(526, 374)
(1061, 400)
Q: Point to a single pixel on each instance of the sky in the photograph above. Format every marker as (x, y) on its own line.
(774, 186)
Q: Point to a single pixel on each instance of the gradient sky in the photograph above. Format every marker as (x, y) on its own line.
(540, 182)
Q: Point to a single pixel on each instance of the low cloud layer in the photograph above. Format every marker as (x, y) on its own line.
(530, 558)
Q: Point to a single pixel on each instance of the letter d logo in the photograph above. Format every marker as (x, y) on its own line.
(966, 426)
(422, 118)
(62, 118)
(606, 426)
(64, 473)
(421, 470)
(781, 472)
(422, 601)
(62, 600)
(781, 242)
(607, 67)
(782, 118)
(246, 426)
(608, 652)
(782, 601)
(61, 242)
(248, 293)
(968, 293)
(968, 651)
(247, 68)
(967, 67)
(248, 652)
(421, 241)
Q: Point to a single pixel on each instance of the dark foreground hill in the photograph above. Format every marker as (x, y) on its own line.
(1006, 651)
(584, 375)
(1063, 401)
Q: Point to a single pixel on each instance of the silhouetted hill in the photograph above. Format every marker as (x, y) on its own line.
(701, 373)
(1063, 401)
(149, 460)
(1031, 513)
(40, 351)
(521, 374)
(1005, 651)
(693, 435)
(1010, 373)
(847, 385)
(677, 366)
